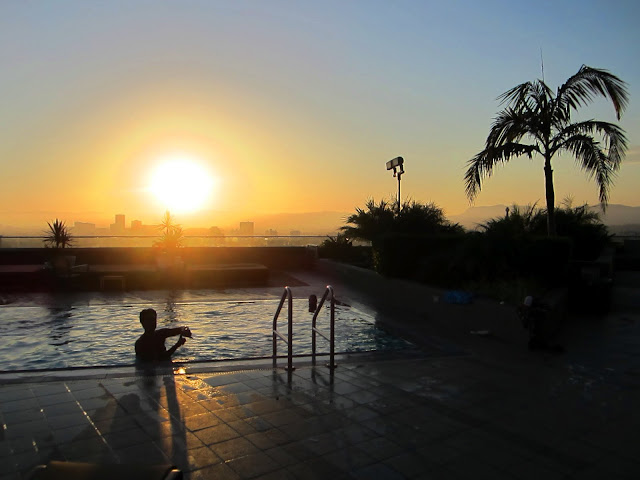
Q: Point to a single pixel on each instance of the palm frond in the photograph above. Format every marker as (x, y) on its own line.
(517, 94)
(595, 162)
(588, 83)
(530, 95)
(614, 138)
(509, 126)
(481, 166)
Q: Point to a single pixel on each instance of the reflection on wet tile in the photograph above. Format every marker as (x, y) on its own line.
(234, 448)
(412, 419)
(216, 434)
(201, 421)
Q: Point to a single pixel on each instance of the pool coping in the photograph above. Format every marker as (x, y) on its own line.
(208, 366)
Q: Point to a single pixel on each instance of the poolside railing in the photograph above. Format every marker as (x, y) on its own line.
(314, 330)
(286, 295)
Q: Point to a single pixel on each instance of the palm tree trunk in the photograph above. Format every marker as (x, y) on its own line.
(551, 198)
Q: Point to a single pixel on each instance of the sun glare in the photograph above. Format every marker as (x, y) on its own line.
(181, 185)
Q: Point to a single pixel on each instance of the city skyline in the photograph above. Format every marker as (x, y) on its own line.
(286, 107)
(307, 223)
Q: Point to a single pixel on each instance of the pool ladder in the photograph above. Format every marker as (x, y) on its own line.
(286, 295)
(288, 339)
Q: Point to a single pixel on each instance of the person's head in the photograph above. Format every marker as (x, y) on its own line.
(148, 319)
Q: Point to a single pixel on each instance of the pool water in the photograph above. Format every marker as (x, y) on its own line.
(40, 337)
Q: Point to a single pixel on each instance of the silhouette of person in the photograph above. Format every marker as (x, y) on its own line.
(150, 345)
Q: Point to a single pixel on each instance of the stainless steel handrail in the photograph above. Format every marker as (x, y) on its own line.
(286, 295)
(328, 291)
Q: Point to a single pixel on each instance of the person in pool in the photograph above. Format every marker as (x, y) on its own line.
(150, 346)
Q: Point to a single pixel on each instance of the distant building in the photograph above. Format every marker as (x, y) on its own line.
(84, 228)
(295, 233)
(118, 227)
(136, 226)
(271, 233)
(246, 228)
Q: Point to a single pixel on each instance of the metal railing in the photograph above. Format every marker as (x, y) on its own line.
(286, 295)
(106, 241)
(314, 331)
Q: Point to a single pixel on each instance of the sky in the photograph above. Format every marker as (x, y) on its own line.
(288, 106)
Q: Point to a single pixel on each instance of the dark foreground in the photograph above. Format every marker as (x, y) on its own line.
(467, 406)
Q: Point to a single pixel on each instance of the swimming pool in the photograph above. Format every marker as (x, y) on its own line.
(41, 337)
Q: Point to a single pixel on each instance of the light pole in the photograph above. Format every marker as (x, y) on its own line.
(397, 165)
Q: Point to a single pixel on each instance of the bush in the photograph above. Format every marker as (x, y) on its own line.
(423, 257)
(581, 225)
(383, 218)
(453, 261)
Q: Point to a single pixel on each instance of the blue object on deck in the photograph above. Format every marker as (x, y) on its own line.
(458, 297)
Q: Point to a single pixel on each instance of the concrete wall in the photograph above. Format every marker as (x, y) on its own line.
(272, 257)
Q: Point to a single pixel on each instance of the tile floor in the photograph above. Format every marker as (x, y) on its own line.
(432, 417)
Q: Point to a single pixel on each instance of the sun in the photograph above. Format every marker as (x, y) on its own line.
(181, 184)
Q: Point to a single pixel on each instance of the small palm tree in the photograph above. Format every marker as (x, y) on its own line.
(535, 114)
(58, 235)
(172, 235)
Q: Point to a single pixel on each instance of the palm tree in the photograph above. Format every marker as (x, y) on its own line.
(535, 114)
(172, 234)
(58, 235)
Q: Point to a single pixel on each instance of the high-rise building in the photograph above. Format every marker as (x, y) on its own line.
(118, 226)
(84, 228)
(246, 228)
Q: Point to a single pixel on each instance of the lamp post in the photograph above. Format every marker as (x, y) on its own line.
(397, 165)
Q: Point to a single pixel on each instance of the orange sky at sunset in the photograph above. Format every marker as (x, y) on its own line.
(289, 107)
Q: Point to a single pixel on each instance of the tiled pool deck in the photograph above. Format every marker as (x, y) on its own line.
(487, 410)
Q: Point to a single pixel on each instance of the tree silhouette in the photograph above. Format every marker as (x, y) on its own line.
(414, 217)
(58, 235)
(536, 115)
(580, 223)
(172, 235)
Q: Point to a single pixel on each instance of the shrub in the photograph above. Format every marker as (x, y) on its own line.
(58, 235)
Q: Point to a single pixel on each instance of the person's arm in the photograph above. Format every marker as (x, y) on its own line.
(172, 332)
(172, 350)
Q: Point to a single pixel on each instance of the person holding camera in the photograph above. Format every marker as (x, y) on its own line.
(150, 346)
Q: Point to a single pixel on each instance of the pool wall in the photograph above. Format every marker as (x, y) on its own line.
(148, 268)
